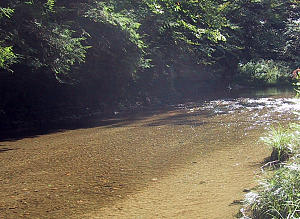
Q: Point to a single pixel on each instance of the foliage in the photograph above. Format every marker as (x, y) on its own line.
(261, 24)
(7, 57)
(263, 72)
(58, 49)
(194, 27)
(106, 13)
(50, 5)
(6, 12)
(290, 50)
(128, 50)
(296, 76)
(124, 25)
(61, 49)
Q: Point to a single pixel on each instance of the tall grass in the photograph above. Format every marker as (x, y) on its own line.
(278, 194)
(282, 141)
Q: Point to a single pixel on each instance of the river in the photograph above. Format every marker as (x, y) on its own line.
(190, 160)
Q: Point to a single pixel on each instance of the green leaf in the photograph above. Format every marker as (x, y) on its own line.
(7, 57)
(6, 12)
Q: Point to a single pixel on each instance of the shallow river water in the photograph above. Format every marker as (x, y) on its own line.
(191, 160)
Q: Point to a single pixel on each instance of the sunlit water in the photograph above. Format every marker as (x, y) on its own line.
(263, 107)
(191, 160)
(211, 152)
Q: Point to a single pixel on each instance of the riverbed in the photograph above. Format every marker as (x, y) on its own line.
(194, 159)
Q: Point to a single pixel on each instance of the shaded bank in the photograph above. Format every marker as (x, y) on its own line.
(59, 59)
(44, 119)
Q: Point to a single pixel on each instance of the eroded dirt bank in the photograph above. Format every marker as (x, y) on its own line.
(191, 162)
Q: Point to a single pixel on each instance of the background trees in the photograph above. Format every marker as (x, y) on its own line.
(57, 54)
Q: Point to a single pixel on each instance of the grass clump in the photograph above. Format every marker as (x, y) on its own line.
(283, 141)
(278, 194)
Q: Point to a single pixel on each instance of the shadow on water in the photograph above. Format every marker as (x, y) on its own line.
(269, 92)
(127, 117)
(38, 128)
(48, 128)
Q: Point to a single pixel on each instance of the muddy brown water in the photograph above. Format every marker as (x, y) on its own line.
(194, 160)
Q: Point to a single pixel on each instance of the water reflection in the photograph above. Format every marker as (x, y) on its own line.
(268, 92)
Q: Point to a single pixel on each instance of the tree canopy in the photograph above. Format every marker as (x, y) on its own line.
(109, 51)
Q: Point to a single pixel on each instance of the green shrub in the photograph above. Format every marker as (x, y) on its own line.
(7, 57)
(263, 72)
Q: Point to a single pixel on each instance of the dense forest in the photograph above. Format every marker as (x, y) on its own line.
(60, 57)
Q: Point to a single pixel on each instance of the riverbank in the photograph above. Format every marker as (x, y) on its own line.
(278, 193)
